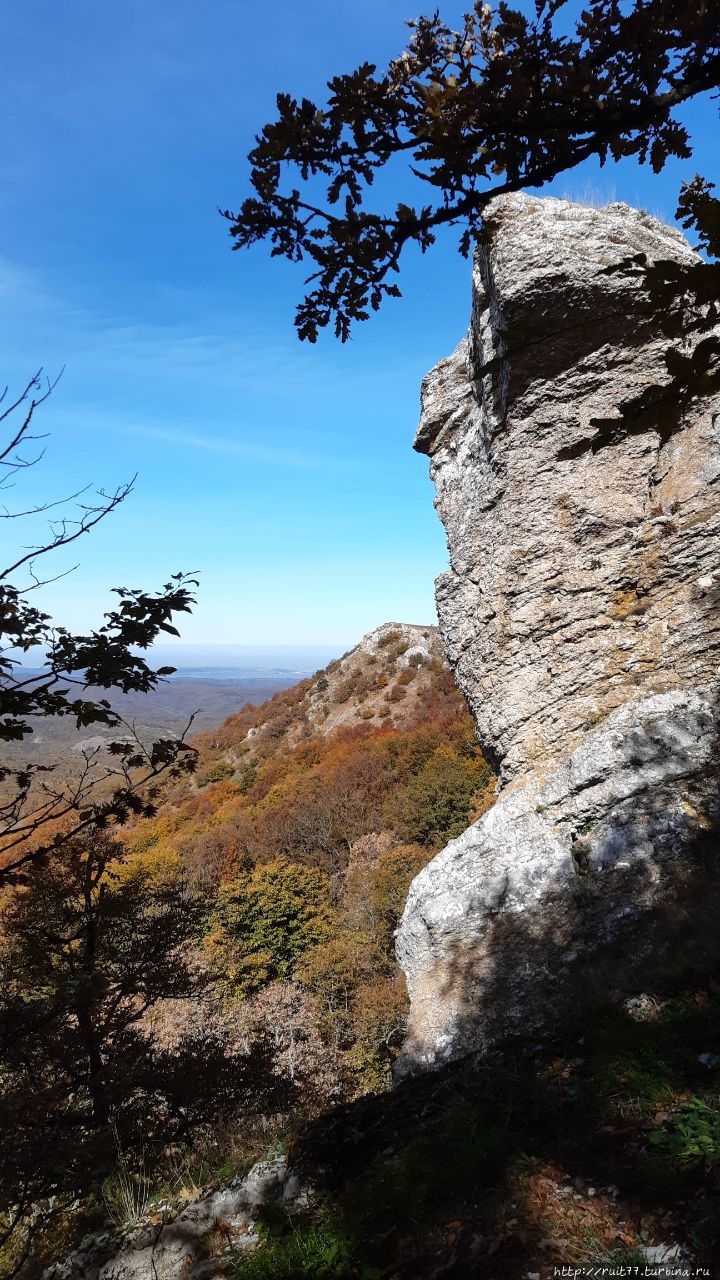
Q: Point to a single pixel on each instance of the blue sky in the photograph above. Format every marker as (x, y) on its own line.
(283, 472)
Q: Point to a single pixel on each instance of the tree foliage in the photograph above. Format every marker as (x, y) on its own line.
(265, 920)
(435, 802)
(84, 954)
(300, 851)
(97, 1062)
(312, 803)
(38, 809)
(247, 925)
(506, 102)
(89, 951)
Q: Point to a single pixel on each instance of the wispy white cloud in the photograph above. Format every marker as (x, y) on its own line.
(47, 319)
(248, 450)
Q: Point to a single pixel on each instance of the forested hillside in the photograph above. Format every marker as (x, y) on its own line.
(247, 925)
(216, 984)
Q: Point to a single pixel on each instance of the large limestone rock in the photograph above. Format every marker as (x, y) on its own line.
(580, 613)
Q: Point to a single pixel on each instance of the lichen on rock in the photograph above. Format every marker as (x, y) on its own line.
(579, 612)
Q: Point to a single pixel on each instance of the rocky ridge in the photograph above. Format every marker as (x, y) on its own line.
(363, 683)
(381, 681)
(579, 612)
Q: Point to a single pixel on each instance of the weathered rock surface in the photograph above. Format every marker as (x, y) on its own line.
(579, 611)
(194, 1244)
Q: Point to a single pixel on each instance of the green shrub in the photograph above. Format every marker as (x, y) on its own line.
(216, 773)
(266, 920)
(319, 1251)
(247, 776)
(435, 804)
(692, 1134)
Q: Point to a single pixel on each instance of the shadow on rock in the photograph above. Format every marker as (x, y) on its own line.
(594, 1141)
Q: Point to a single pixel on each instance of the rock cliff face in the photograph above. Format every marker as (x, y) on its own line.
(580, 614)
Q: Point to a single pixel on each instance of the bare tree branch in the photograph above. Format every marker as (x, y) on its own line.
(40, 810)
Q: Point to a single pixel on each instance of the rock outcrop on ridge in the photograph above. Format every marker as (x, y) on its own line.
(580, 614)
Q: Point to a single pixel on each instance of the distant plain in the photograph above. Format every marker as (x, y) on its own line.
(207, 698)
